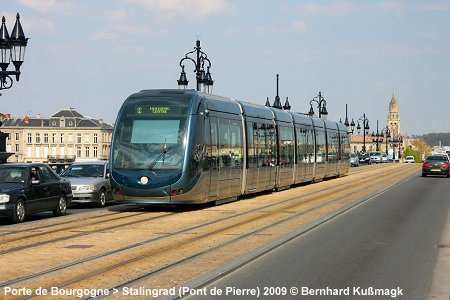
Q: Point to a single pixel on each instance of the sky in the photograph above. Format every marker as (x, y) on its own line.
(91, 55)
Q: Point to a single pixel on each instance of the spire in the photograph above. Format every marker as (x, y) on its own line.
(393, 105)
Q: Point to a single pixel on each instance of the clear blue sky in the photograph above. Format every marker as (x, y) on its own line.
(91, 55)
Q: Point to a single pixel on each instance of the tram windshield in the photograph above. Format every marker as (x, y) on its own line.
(151, 134)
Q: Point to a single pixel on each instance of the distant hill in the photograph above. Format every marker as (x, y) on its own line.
(433, 139)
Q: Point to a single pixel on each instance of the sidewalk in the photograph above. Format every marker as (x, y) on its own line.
(440, 287)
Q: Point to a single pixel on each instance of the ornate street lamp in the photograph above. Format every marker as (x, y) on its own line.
(350, 126)
(204, 79)
(377, 138)
(12, 48)
(321, 105)
(366, 128)
(277, 101)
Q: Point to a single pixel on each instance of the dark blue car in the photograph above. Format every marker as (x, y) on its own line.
(32, 188)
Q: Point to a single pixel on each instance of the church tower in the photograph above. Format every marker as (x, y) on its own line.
(393, 119)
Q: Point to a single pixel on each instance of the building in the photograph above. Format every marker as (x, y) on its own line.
(66, 136)
(395, 143)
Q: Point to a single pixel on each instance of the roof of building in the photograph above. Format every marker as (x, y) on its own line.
(65, 118)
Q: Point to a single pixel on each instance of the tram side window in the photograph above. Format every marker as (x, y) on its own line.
(236, 144)
(224, 144)
(321, 154)
(252, 135)
(302, 146)
(286, 146)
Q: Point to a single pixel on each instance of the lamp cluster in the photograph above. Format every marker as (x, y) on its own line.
(204, 79)
(12, 48)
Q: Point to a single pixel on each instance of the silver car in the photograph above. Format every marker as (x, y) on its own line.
(90, 182)
(375, 157)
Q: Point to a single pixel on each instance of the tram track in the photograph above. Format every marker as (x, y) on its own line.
(77, 229)
(154, 250)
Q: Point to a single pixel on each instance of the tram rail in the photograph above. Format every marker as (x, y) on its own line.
(197, 241)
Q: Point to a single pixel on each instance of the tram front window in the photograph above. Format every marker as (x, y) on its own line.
(151, 136)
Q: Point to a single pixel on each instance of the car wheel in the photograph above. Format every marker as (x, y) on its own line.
(19, 212)
(61, 208)
(424, 175)
(101, 202)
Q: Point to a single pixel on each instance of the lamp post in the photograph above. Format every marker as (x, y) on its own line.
(12, 48)
(387, 134)
(277, 102)
(204, 80)
(377, 139)
(366, 128)
(350, 126)
(321, 105)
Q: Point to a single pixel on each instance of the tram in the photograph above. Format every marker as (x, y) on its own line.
(184, 147)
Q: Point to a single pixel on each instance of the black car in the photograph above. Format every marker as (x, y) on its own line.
(32, 188)
(364, 158)
(437, 164)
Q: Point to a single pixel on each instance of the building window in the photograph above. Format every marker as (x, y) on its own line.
(78, 151)
(70, 138)
(17, 136)
(86, 151)
(86, 139)
(46, 138)
(61, 138)
(53, 138)
(79, 138)
(29, 139)
(95, 138)
(17, 147)
(38, 138)
(95, 152)
(38, 152)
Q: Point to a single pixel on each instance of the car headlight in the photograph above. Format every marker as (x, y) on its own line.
(4, 198)
(91, 188)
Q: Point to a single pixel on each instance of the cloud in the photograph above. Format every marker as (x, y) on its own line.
(189, 9)
(47, 6)
(299, 26)
(337, 8)
(391, 6)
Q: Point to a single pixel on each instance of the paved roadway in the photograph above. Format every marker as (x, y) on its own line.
(390, 242)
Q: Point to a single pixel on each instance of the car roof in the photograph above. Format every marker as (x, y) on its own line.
(24, 164)
(92, 162)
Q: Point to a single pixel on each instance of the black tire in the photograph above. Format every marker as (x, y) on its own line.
(101, 201)
(424, 175)
(19, 212)
(61, 208)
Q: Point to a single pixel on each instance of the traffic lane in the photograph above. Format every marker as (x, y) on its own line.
(389, 242)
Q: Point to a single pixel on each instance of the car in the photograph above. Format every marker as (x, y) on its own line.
(90, 182)
(27, 188)
(354, 160)
(437, 164)
(384, 158)
(375, 157)
(410, 159)
(364, 158)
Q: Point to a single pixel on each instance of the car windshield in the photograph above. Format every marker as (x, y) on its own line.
(84, 170)
(13, 174)
(437, 157)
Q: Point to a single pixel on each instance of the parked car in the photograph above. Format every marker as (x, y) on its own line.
(375, 157)
(27, 188)
(410, 159)
(90, 182)
(59, 167)
(437, 164)
(384, 158)
(364, 158)
(354, 160)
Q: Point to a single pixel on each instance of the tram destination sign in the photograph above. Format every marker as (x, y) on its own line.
(157, 110)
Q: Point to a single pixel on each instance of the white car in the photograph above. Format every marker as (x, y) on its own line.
(410, 159)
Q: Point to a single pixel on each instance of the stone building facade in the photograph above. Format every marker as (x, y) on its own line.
(66, 136)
